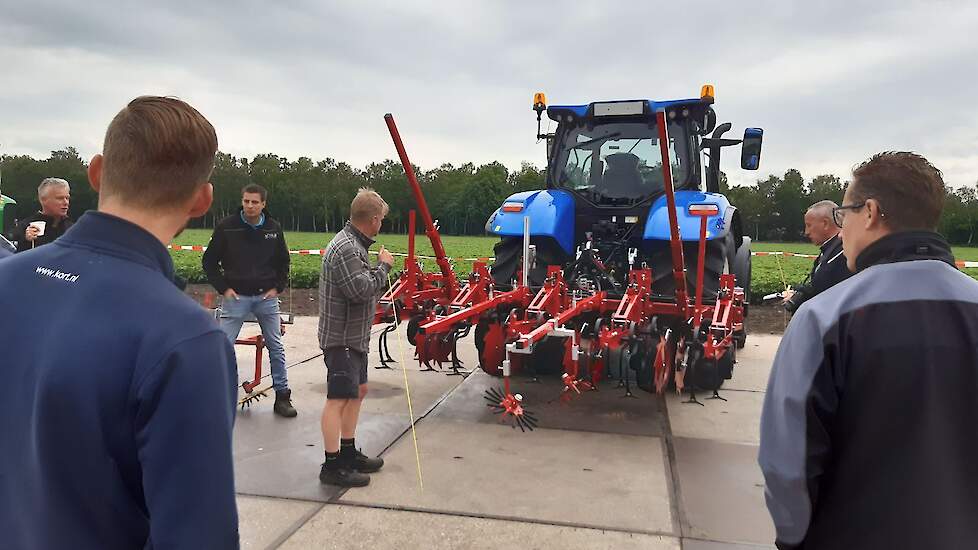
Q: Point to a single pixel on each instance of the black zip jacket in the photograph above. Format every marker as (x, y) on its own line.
(250, 260)
(828, 270)
(54, 227)
(868, 431)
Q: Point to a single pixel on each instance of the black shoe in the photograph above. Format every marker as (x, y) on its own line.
(283, 404)
(366, 465)
(343, 477)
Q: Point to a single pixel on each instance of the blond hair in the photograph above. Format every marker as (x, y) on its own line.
(157, 153)
(367, 204)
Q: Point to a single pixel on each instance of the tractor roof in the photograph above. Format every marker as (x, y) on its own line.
(561, 113)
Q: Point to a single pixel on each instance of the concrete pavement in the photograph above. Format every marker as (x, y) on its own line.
(601, 472)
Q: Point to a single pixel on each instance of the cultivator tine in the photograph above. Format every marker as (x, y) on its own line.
(692, 399)
(383, 350)
(426, 362)
(510, 406)
(251, 397)
(574, 386)
(456, 363)
(628, 386)
(387, 349)
(607, 353)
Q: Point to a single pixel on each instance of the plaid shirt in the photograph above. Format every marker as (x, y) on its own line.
(348, 291)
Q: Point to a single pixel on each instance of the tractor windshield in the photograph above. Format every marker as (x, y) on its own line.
(619, 162)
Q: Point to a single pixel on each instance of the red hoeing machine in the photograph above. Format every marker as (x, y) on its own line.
(581, 318)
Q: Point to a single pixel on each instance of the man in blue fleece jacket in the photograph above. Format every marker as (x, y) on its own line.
(117, 427)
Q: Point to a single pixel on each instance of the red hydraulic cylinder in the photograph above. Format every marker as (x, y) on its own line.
(441, 258)
(411, 230)
(678, 267)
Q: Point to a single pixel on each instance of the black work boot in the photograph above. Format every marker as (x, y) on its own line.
(283, 404)
(342, 476)
(355, 460)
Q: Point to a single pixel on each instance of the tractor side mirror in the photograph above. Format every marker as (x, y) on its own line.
(750, 151)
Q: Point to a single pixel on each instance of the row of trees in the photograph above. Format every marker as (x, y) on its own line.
(304, 195)
(307, 195)
(773, 209)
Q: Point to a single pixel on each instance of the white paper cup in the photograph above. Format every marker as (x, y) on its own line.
(39, 225)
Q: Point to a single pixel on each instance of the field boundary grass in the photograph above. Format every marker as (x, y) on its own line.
(770, 274)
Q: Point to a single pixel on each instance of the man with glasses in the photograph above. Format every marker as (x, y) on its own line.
(868, 426)
(829, 268)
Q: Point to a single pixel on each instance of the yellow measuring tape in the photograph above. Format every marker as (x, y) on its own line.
(784, 282)
(407, 389)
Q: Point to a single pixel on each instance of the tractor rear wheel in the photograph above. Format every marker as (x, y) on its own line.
(547, 356)
(741, 267)
(509, 258)
(718, 254)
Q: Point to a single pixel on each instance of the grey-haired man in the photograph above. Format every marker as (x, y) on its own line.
(51, 221)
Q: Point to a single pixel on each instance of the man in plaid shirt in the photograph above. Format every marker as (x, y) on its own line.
(348, 292)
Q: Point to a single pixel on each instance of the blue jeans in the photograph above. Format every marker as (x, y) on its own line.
(235, 312)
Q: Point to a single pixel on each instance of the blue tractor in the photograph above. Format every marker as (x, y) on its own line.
(604, 210)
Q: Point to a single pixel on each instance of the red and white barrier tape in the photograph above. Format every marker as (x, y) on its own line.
(794, 254)
(320, 252)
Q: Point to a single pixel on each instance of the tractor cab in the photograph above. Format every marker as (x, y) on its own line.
(608, 154)
(605, 195)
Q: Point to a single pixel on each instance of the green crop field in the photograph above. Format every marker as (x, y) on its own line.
(769, 273)
(305, 269)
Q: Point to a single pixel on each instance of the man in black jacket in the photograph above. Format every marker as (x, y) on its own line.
(247, 261)
(830, 265)
(868, 426)
(51, 221)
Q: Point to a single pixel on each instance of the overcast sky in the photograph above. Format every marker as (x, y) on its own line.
(830, 82)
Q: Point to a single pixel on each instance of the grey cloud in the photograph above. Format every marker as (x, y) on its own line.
(831, 83)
